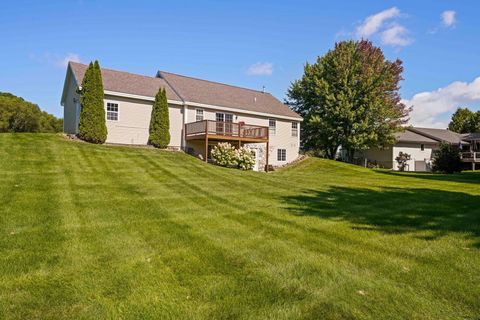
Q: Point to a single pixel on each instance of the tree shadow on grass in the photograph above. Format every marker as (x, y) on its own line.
(464, 177)
(394, 210)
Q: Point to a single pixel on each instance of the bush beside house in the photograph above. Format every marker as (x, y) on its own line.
(402, 160)
(159, 121)
(92, 127)
(447, 159)
(225, 155)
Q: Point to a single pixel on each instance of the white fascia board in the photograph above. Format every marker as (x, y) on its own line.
(136, 96)
(263, 114)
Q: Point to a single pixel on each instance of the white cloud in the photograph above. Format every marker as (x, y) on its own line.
(396, 35)
(69, 57)
(431, 107)
(55, 59)
(448, 18)
(385, 23)
(373, 23)
(260, 69)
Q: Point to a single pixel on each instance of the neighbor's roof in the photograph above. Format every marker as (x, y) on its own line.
(126, 82)
(471, 136)
(440, 135)
(224, 95)
(410, 136)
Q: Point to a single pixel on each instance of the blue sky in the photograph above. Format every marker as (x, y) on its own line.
(246, 43)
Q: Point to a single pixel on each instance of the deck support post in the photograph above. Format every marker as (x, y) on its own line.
(473, 165)
(266, 167)
(206, 148)
(206, 141)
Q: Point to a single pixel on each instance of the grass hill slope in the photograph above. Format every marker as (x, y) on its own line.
(91, 231)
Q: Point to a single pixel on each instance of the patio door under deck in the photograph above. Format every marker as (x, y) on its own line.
(224, 123)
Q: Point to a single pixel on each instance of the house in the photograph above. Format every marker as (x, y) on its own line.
(202, 113)
(421, 144)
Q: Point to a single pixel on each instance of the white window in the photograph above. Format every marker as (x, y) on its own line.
(294, 129)
(112, 111)
(199, 115)
(272, 126)
(281, 155)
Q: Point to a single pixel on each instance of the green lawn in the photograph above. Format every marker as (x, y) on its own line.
(113, 232)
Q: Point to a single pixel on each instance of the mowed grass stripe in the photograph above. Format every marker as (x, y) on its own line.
(155, 234)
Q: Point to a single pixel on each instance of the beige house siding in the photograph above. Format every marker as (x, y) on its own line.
(418, 157)
(133, 122)
(420, 160)
(282, 139)
(382, 157)
(132, 126)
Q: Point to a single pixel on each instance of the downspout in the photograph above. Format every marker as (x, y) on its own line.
(185, 109)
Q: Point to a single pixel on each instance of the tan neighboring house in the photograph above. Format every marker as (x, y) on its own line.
(202, 114)
(421, 144)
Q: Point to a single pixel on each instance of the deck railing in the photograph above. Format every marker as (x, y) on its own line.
(226, 129)
(470, 156)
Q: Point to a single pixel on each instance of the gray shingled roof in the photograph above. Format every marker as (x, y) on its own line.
(441, 135)
(126, 82)
(410, 136)
(471, 136)
(182, 88)
(219, 94)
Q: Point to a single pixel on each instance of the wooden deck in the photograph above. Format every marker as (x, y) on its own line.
(209, 130)
(217, 130)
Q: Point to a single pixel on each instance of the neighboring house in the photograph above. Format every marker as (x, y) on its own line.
(202, 113)
(420, 144)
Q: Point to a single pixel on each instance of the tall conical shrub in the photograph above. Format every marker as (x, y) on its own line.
(159, 121)
(92, 126)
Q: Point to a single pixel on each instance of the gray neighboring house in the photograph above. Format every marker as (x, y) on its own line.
(421, 143)
(202, 113)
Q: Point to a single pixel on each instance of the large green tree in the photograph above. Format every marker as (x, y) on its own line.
(159, 121)
(18, 115)
(464, 121)
(349, 97)
(92, 126)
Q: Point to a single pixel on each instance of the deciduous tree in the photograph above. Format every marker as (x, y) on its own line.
(349, 97)
(465, 121)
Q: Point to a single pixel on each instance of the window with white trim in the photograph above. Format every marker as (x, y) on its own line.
(281, 155)
(199, 115)
(112, 111)
(294, 129)
(272, 126)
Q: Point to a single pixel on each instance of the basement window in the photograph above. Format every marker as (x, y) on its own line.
(281, 155)
(112, 111)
